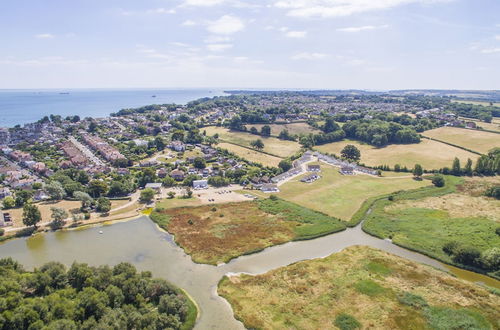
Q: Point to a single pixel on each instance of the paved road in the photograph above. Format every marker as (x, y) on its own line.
(86, 151)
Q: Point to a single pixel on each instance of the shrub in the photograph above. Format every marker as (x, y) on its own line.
(450, 247)
(497, 231)
(490, 259)
(438, 181)
(214, 209)
(391, 198)
(347, 322)
(273, 197)
(86, 215)
(2, 231)
(466, 256)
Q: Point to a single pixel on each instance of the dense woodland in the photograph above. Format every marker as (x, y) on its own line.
(84, 297)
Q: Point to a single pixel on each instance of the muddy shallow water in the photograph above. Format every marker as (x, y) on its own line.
(143, 244)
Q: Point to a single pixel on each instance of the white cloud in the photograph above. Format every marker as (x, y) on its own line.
(309, 56)
(337, 8)
(490, 50)
(202, 3)
(189, 23)
(296, 34)
(219, 47)
(44, 36)
(227, 24)
(216, 39)
(497, 37)
(362, 28)
(161, 11)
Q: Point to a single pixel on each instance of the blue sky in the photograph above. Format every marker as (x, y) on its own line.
(331, 44)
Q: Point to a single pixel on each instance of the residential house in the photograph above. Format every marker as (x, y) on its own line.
(313, 168)
(200, 184)
(156, 186)
(178, 175)
(267, 188)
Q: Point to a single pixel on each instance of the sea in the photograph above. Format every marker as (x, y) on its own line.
(21, 106)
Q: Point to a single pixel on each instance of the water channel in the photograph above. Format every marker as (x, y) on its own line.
(143, 244)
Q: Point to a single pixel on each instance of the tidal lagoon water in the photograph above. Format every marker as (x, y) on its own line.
(29, 105)
(143, 244)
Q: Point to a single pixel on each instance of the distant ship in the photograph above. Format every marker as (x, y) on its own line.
(153, 95)
(64, 93)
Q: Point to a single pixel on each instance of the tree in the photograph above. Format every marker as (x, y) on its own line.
(97, 188)
(171, 194)
(199, 162)
(455, 168)
(351, 152)
(468, 167)
(58, 217)
(257, 144)
(253, 130)
(23, 197)
(466, 256)
(265, 130)
(490, 259)
(188, 193)
(55, 190)
(438, 181)
(103, 205)
(8, 202)
(417, 171)
(85, 198)
(330, 125)
(285, 165)
(147, 195)
(159, 143)
(31, 215)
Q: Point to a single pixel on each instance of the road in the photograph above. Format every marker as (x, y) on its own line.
(86, 151)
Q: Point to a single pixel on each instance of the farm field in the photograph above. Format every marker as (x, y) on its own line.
(359, 288)
(274, 146)
(429, 154)
(484, 103)
(471, 139)
(293, 128)
(341, 195)
(220, 232)
(493, 126)
(251, 155)
(425, 222)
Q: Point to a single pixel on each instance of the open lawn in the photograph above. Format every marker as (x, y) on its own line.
(484, 103)
(425, 221)
(218, 233)
(476, 140)
(251, 155)
(429, 154)
(274, 146)
(293, 128)
(359, 288)
(341, 195)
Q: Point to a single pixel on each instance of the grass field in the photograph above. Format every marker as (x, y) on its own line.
(484, 103)
(341, 195)
(218, 233)
(429, 154)
(293, 128)
(493, 126)
(359, 288)
(274, 146)
(425, 222)
(471, 139)
(251, 155)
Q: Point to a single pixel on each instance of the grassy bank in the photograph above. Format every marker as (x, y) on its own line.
(418, 220)
(361, 287)
(217, 233)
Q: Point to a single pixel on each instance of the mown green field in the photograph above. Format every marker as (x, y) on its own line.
(359, 288)
(293, 128)
(428, 226)
(251, 154)
(273, 146)
(341, 195)
(429, 154)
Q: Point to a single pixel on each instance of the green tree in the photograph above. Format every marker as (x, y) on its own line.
(285, 165)
(147, 195)
(438, 180)
(257, 144)
(468, 167)
(265, 130)
(455, 168)
(8, 202)
(31, 215)
(97, 188)
(85, 198)
(55, 190)
(199, 162)
(350, 152)
(330, 125)
(59, 215)
(23, 197)
(490, 259)
(253, 130)
(418, 171)
(103, 205)
(171, 194)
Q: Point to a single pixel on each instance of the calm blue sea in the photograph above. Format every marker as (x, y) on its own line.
(26, 106)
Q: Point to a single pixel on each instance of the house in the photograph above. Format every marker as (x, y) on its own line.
(161, 173)
(154, 185)
(269, 188)
(140, 142)
(5, 192)
(470, 124)
(347, 170)
(310, 178)
(178, 175)
(41, 195)
(177, 146)
(200, 184)
(313, 168)
(2, 220)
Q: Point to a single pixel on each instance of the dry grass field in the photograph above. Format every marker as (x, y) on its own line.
(293, 128)
(274, 146)
(361, 287)
(471, 139)
(341, 195)
(220, 232)
(477, 102)
(429, 154)
(251, 155)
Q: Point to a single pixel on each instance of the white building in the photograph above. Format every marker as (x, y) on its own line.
(200, 184)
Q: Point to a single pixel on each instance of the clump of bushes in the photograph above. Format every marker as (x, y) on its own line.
(438, 180)
(347, 322)
(489, 260)
(412, 300)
